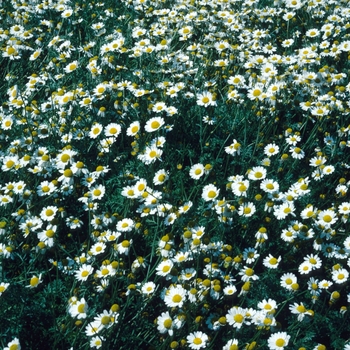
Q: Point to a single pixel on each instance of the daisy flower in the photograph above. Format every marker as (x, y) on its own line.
(233, 148)
(314, 260)
(257, 173)
(97, 192)
(297, 152)
(164, 268)
(240, 188)
(96, 130)
(78, 309)
(13, 345)
(344, 208)
(71, 67)
(34, 281)
(340, 275)
(210, 192)
(288, 280)
(236, 317)
(96, 342)
(6, 123)
(268, 306)
(256, 92)
(293, 139)
(175, 296)
(47, 236)
(185, 208)
(46, 188)
(105, 271)
(160, 177)
(158, 108)
(197, 340)
(48, 213)
(269, 186)
(140, 186)
(250, 255)
(283, 210)
(324, 284)
(148, 288)
(247, 274)
(133, 128)
(247, 209)
(230, 290)
(93, 328)
(305, 268)
(125, 225)
(278, 340)
(124, 247)
(106, 319)
(3, 287)
(300, 310)
(150, 155)
(326, 218)
(271, 149)
(271, 262)
(317, 161)
(206, 99)
(309, 212)
(154, 124)
(98, 248)
(328, 169)
(84, 272)
(197, 171)
(112, 129)
(166, 324)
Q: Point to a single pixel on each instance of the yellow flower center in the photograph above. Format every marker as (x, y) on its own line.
(34, 281)
(327, 218)
(211, 194)
(126, 244)
(81, 308)
(242, 188)
(197, 341)
(10, 164)
(273, 261)
(247, 211)
(280, 342)
(177, 298)
(68, 173)
(96, 192)
(50, 233)
(49, 212)
(256, 92)
(238, 318)
(105, 320)
(155, 125)
(301, 308)
(168, 323)
(249, 272)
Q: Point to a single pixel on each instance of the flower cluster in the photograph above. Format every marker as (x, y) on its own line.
(175, 174)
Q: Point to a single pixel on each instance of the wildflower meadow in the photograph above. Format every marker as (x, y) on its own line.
(174, 174)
